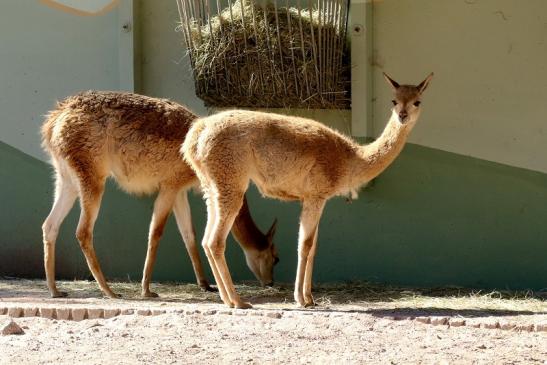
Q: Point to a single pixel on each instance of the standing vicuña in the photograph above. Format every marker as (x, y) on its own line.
(287, 158)
(135, 139)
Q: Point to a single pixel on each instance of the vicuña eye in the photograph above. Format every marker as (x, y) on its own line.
(394, 102)
(417, 103)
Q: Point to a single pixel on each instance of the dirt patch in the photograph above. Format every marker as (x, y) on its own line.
(353, 323)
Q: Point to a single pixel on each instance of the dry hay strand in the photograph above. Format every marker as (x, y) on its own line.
(263, 56)
(376, 298)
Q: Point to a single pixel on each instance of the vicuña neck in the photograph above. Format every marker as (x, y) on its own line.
(377, 156)
(246, 232)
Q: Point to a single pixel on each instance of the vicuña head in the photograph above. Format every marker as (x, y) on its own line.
(406, 101)
(287, 158)
(261, 256)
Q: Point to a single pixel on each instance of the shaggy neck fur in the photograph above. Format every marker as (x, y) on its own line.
(374, 158)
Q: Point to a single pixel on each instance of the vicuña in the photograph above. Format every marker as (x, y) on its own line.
(288, 158)
(136, 140)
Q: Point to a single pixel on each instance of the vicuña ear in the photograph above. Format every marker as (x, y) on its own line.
(271, 231)
(394, 84)
(423, 85)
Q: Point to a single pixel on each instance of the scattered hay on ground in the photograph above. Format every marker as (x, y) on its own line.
(372, 297)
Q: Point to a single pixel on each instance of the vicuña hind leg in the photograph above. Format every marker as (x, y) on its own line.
(308, 297)
(183, 216)
(309, 221)
(91, 193)
(65, 195)
(227, 206)
(162, 208)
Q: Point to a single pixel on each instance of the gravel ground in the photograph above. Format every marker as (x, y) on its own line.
(459, 329)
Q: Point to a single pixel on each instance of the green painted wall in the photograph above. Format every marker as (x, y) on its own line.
(433, 218)
(120, 233)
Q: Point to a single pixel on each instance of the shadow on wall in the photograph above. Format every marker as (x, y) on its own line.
(433, 218)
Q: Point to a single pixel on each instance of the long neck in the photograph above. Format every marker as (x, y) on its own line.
(374, 158)
(246, 232)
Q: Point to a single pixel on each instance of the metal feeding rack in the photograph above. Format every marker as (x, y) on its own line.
(266, 54)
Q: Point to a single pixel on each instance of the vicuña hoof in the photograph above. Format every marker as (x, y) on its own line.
(149, 294)
(309, 304)
(208, 288)
(303, 304)
(58, 294)
(113, 295)
(243, 305)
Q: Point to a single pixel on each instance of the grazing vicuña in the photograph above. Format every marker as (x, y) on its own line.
(136, 140)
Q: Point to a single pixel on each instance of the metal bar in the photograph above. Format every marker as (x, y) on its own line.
(272, 63)
(185, 19)
(341, 45)
(324, 75)
(280, 48)
(296, 85)
(302, 46)
(314, 48)
(331, 45)
(238, 74)
(320, 47)
(212, 41)
(223, 34)
(261, 77)
(245, 42)
(361, 39)
(197, 15)
(185, 32)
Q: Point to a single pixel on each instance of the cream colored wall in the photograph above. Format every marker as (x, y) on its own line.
(47, 54)
(164, 70)
(89, 7)
(489, 95)
(487, 99)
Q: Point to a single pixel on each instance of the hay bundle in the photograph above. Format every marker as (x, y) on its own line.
(262, 55)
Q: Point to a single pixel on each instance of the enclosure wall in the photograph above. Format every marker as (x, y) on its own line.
(465, 203)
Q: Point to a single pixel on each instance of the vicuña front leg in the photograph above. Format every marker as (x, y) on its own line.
(183, 216)
(65, 195)
(211, 221)
(90, 199)
(226, 211)
(162, 207)
(309, 221)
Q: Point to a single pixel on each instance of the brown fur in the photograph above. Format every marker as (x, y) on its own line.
(136, 140)
(288, 158)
